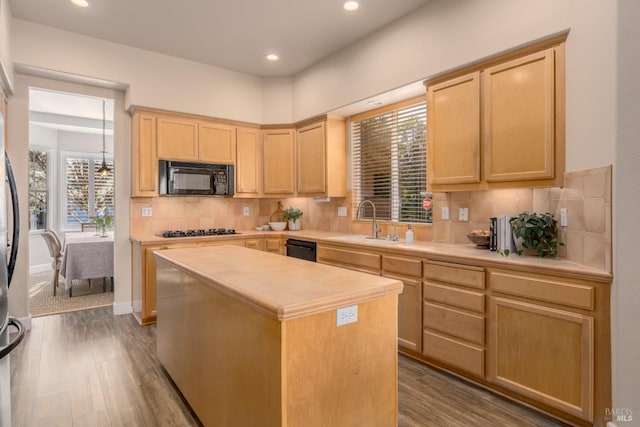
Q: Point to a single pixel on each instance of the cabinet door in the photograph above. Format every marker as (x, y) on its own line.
(409, 313)
(543, 353)
(453, 109)
(311, 155)
(149, 310)
(177, 139)
(278, 161)
(518, 101)
(216, 143)
(248, 161)
(274, 245)
(144, 162)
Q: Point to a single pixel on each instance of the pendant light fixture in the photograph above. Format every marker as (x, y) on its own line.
(104, 170)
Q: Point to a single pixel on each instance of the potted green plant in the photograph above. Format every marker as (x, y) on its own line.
(293, 215)
(536, 233)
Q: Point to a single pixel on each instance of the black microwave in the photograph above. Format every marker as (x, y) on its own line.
(195, 179)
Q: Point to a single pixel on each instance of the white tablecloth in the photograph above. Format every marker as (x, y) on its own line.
(86, 256)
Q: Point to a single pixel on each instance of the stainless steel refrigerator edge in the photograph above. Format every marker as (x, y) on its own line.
(7, 343)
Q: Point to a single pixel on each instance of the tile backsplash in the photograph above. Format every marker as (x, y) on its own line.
(586, 195)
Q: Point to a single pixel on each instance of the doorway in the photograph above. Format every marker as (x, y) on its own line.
(71, 200)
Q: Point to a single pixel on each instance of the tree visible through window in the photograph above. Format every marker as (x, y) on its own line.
(38, 189)
(389, 164)
(89, 194)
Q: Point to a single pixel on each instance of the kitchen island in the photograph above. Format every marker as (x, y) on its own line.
(252, 338)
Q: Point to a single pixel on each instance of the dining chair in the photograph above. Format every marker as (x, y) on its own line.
(55, 250)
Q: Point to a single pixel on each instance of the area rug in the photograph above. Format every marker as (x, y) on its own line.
(86, 294)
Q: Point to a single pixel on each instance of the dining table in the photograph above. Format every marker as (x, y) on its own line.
(86, 255)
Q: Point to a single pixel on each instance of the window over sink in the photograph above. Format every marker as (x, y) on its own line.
(389, 162)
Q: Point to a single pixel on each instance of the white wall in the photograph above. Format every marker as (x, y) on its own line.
(276, 100)
(19, 151)
(154, 80)
(446, 34)
(625, 311)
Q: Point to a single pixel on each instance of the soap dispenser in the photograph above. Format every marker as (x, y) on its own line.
(409, 235)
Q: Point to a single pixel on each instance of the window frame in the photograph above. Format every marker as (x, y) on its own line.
(49, 216)
(394, 197)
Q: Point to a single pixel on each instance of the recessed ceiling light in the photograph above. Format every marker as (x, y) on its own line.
(80, 3)
(272, 57)
(374, 102)
(351, 5)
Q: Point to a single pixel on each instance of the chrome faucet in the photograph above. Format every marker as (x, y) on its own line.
(374, 226)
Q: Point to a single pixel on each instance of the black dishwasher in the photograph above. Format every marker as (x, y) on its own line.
(301, 249)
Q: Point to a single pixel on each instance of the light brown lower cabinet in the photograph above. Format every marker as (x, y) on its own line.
(409, 271)
(549, 341)
(540, 338)
(453, 316)
(409, 312)
(274, 245)
(543, 353)
(143, 272)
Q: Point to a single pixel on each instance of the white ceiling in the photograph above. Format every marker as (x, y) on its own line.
(230, 34)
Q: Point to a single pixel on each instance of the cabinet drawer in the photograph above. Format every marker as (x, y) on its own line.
(458, 274)
(453, 322)
(543, 288)
(454, 353)
(404, 266)
(462, 298)
(354, 258)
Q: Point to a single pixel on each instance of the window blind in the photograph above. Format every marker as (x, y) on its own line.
(88, 192)
(389, 164)
(77, 180)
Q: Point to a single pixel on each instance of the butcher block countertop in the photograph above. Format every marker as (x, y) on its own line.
(281, 287)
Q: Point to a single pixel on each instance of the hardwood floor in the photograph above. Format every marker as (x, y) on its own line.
(90, 368)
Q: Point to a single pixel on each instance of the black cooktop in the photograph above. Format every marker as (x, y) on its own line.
(201, 232)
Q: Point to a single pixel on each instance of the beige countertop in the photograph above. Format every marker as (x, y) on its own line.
(466, 253)
(283, 288)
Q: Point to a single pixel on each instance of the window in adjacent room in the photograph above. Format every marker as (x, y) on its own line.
(389, 162)
(88, 193)
(38, 189)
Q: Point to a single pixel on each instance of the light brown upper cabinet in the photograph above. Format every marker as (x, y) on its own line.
(500, 123)
(519, 118)
(195, 140)
(216, 143)
(144, 161)
(278, 161)
(248, 162)
(454, 143)
(177, 138)
(321, 158)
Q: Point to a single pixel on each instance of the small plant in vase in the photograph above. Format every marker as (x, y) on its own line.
(293, 215)
(537, 233)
